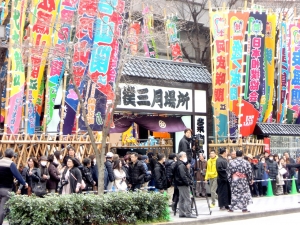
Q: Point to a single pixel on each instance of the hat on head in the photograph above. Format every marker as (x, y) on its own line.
(43, 158)
(109, 155)
(144, 157)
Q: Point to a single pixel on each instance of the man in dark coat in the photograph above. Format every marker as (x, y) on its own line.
(223, 191)
(272, 171)
(183, 181)
(161, 182)
(136, 173)
(185, 144)
(109, 168)
(296, 166)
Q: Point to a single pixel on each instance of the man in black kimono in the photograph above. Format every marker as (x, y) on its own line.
(224, 192)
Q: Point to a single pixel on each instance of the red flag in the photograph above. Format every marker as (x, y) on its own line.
(248, 119)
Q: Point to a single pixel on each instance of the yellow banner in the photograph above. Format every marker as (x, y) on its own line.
(219, 23)
(269, 63)
(42, 27)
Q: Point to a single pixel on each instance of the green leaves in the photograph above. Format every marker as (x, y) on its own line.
(113, 208)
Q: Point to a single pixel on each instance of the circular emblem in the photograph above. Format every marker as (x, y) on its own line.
(162, 124)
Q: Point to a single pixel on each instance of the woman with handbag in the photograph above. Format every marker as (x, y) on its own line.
(120, 176)
(32, 176)
(71, 180)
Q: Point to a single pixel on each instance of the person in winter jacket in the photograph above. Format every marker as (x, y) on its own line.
(272, 171)
(109, 167)
(160, 175)
(145, 160)
(170, 178)
(52, 183)
(136, 173)
(211, 176)
(44, 172)
(262, 175)
(87, 175)
(151, 166)
(185, 144)
(120, 176)
(183, 181)
(279, 179)
(32, 175)
(71, 178)
(200, 171)
(94, 171)
(254, 186)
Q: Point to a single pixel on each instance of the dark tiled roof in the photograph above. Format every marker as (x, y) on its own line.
(277, 129)
(167, 70)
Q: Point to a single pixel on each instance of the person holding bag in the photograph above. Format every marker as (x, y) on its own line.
(32, 176)
(71, 179)
(120, 176)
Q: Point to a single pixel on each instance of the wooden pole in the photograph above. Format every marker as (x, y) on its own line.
(212, 66)
(166, 34)
(8, 77)
(29, 66)
(62, 111)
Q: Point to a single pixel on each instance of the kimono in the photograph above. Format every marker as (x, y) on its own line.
(223, 190)
(240, 176)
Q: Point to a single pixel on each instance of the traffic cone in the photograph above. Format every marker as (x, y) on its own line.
(269, 189)
(294, 189)
(167, 210)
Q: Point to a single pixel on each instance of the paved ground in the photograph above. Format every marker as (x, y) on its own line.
(264, 209)
(261, 207)
(282, 219)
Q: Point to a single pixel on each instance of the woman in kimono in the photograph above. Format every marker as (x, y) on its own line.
(240, 177)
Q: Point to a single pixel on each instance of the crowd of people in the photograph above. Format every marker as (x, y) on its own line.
(233, 178)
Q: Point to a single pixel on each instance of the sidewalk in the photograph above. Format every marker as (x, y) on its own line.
(261, 207)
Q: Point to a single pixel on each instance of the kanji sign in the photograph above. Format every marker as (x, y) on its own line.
(155, 98)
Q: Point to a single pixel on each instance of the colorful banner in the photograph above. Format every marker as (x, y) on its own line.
(86, 17)
(133, 37)
(174, 39)
(103, 65)
(42, 20)
(294, 83)
(255, 70)
(269, 66)
(220, 91)
(14, 116)
(237, 27)
(284, 73)
(149, 42)
(60, 43)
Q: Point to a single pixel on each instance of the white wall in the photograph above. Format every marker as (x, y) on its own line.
(178, 135)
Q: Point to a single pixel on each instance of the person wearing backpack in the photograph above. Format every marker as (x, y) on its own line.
(170, 179)
(161, 181)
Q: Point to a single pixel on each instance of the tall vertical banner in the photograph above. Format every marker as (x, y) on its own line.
(284, 73)
(42, 21)
(60, 43)
(294, 87)
(174, 40)
(149, 42)
(220, 91)
(237, 27)
(87, 12)
(103, 65)
(269, 66)
(133, 37)
(17, 67)
(255, 71)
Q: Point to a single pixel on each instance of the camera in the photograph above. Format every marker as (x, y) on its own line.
(61, 184)
(198, 141)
